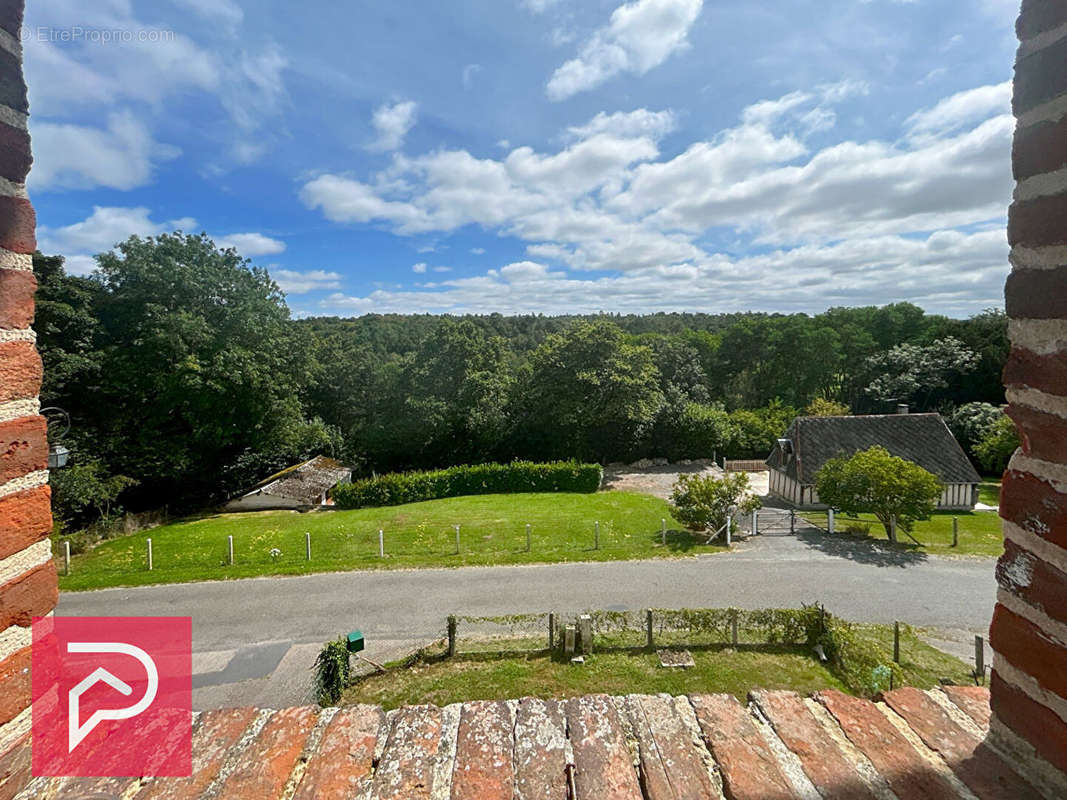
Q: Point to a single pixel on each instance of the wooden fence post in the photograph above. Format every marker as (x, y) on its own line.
(896, 642)
(551, 630)
(792, 520)
(457, 538)
(596, 535)
(650, 642)
(585, 633)
(66, 557)
(755, 523)
(229, 550)
(307, 545)
(979, 658)
(381, 544)
(148, 542)
(663, 531)
(451, 635)
(733, 630)
(955, 531)
(527, 537)
(729, 525)
(830, 527)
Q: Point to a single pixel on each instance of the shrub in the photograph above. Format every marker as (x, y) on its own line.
(332, 671)
(703, 503)
(997, 446)
(398, 488)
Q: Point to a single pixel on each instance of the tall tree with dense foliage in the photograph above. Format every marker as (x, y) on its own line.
(997, 445)
(912, 373)
(588, 394)
(875, 482)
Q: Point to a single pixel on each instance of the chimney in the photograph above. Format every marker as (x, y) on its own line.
(902, 408)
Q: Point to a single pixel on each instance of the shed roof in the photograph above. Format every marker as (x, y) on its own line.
(305, 481)
(920, 438)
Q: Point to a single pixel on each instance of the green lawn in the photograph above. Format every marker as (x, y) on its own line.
(717, 669)
(980, 533)
(417, 535)
(989, 491)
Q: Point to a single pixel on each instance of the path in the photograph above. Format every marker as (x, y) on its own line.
(255, 640)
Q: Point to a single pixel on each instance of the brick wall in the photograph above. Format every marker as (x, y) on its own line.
(27, 573)
(1029, 633)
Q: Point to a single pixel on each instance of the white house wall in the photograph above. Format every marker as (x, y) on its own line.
(956, 496)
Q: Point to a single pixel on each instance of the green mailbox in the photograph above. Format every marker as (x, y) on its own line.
(355, 642)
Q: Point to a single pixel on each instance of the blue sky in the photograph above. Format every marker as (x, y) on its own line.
(550, 156)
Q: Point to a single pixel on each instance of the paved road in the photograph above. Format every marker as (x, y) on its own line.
(254, 639)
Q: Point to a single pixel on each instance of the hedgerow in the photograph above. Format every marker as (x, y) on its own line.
(397, 488)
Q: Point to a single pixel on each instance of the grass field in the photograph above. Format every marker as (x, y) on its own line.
(989, 491)
(717, 669)
(980, 533)
(492, 531)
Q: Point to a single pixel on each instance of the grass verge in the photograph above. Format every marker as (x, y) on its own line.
(718, 668)
(492, 531)
(979, 532)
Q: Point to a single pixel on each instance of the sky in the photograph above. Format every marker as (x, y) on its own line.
(539, 156)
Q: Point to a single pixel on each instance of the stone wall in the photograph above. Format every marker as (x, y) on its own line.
(1029, 633)
(27, 572)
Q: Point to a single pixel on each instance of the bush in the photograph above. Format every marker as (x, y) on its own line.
(398, 488)
(332, 671)
(997, 446)
(703, 503)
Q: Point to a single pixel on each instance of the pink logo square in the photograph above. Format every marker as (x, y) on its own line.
(112, 696)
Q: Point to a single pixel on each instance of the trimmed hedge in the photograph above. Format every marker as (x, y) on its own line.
(397, 488)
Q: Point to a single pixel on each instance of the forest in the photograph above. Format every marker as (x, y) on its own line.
(186, 379)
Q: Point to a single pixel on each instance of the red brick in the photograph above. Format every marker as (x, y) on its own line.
(23, 446)
(20, 371)
(1035, 506)
(16, 298)
(25, 519)
(1040, 77)
(213, 741)
(672, 764)
(1032, 721)
(1045, 372)
(1035, 581)
(15, 768)
(540, 750)
(343, 764)
(32, 594)
(823, 762)
(15, 156)
(983, 771)
(405, 771)
(1039, 148)
(265, 765)
(1038, 16)
(602, 765)
(1026, 647)
(1038, 293)
(18, 223)
(485, 765)
(973, 701)
(907, 772)
(750, 770)
(1041, 435)
(15, 683)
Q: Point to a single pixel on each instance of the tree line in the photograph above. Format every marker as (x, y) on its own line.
(187, 379)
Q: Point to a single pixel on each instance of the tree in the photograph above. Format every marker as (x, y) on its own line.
(703, 503)
(83, 492)
(589, 394)
(875, 482)
(997, 445)
(756, 431)
(971, 422)
(910, 372)
(820, 407)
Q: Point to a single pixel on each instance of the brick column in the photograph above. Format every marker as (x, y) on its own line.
(27, 572)
(1029, 633)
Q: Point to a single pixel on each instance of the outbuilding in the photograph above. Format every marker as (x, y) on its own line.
(923, 439)
(302, 485)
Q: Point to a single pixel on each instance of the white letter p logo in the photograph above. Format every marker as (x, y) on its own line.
(77, 732)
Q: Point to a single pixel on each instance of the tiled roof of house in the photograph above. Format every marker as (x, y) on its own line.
(921, 438)
(913, 744)
(305, 481)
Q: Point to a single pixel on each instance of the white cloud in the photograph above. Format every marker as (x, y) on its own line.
(392, 122)
(225, 11)
(960, 110)
(420, 267)
(639, 36)
(469, 71)
(122, 156)
(538, 6)
(250, 245)
(478, 251)
(296, 282)
(641, 122)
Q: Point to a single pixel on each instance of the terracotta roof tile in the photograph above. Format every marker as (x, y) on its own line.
(598, 747)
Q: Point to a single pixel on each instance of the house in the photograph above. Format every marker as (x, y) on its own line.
(298, 486)
(920, 438)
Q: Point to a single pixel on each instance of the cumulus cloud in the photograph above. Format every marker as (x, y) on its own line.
(392, 123)
(639, 36)
(124, 155)
(250, 245)
(642, 122)
(295, 282)
(960, 110)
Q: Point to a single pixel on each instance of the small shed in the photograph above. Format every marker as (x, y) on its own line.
(923, 439)
(299, 486)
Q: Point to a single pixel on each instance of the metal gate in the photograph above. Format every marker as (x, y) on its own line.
(776, 522)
